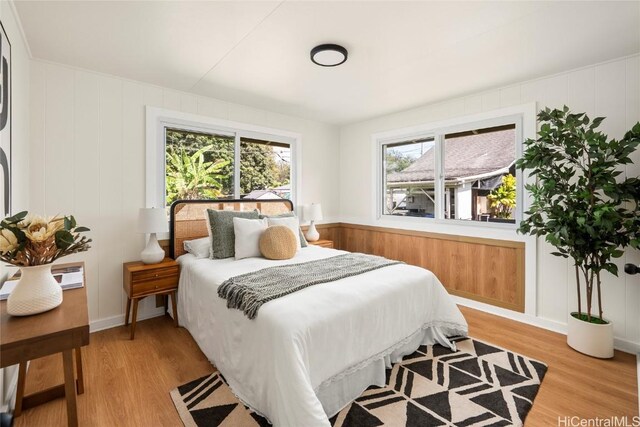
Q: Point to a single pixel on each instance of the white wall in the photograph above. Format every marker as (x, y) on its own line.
(20, 147)
(20, 105)
(87, 158)
(610, 89)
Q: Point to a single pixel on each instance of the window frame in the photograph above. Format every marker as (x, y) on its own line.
(522, 116)
(158, 119)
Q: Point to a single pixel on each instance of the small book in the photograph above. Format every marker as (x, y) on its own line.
(67, 277)
(6, 289)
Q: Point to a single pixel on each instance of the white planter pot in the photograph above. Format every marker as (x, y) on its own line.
(590, 338)
(36, 292)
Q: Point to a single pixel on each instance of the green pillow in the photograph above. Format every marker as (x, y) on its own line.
(223, 239)
(303, 241)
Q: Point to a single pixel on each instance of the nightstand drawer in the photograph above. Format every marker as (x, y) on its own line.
(155, 274)
(154, 285)
(323, 243)
(326, 245)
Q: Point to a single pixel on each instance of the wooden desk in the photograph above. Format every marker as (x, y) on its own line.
(60, 330)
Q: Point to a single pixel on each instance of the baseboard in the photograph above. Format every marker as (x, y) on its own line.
(114, 321)
(551, 325)
(626, 346)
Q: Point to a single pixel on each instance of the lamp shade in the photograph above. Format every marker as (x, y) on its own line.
(313, 212)
(152, 220)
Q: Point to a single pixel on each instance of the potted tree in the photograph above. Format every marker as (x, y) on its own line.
(585, 208)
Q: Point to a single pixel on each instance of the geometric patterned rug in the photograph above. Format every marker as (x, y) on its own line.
(479, 385)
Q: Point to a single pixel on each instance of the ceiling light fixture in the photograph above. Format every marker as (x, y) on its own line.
(328, 55)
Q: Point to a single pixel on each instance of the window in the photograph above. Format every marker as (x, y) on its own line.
(461, 171)
(479, 174)
(265, 169)
(198, 165)
(195, 157)
(409, 170)
(202, 166)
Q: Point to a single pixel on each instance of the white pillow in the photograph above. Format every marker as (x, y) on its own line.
(198, 247)
(291, 222)
(210, 237)
(248, 232)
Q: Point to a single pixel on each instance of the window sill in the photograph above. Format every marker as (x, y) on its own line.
(453, 227)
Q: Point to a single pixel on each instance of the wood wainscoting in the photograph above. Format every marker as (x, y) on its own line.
(485, 270)
(481, 269)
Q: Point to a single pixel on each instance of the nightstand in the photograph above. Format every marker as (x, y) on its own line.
(323, 243)
(142, 280)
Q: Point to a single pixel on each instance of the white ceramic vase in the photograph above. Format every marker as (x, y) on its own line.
(590, 338)
(36, 292)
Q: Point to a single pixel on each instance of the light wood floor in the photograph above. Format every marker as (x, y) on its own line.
(127, 383)
(575, 384)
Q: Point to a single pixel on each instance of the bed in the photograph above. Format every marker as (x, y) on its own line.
(308, 354)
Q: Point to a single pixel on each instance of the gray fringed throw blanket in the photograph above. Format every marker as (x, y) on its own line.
(249, 291)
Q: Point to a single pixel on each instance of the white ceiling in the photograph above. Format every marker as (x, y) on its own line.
(401, 54)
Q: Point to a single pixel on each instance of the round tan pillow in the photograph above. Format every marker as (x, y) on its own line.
(278, 242)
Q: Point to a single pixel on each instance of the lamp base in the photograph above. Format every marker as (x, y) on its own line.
(153, 253)
(312, 234)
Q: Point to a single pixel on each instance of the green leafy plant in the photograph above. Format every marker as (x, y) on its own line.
(582, 204)
(27, 240)
(223, 149)
(503, 198)
(190, 176)
(260, 168)
(396, 161)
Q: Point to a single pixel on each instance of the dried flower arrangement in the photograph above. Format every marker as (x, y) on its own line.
(28, 240)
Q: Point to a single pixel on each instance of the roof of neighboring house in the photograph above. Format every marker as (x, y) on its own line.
(262, 194)
(286, 187)
(465, 156)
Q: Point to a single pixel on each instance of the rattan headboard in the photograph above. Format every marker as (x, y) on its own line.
(187, 220)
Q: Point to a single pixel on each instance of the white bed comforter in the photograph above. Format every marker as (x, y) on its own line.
(302, 342)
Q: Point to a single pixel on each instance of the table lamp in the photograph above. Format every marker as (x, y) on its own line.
(312, 212)
(152, 221)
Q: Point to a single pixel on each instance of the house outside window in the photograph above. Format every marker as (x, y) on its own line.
(477, 164)
(410, 178)
(463, 172)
